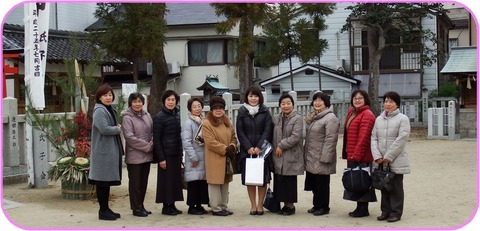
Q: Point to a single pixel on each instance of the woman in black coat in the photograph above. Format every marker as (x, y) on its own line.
(254, 126)
(168, 153)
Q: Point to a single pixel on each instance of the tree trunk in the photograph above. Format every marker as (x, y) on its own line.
(376, 43)
(245, 63)
(158, 85)
(135, 70)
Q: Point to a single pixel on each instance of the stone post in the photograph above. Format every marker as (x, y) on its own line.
(183, 107)
(11, 150)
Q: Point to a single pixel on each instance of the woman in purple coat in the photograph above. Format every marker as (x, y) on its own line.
(137, 128)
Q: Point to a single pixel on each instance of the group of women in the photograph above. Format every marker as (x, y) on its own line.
(208, 142)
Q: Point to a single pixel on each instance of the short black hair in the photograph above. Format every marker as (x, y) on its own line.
(134, 96)
(393, 96)
(102, 90)
(169, 93)
(190, 102)
(366, 99)
(254, 91)
(323, 96)
(286, 95)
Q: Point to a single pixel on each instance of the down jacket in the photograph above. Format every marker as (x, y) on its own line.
(193, 151)
(218, 134)
(389, 137)
(166, 134)
(137, 130)
(321, 143)
(253, 130)
(356, 136)
(290, 139)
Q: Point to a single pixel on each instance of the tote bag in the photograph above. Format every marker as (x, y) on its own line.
(254, 171)
(357, 178)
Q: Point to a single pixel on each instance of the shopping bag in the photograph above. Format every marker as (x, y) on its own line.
(270, 202)
(254, 171)
(382, 178)
(357, 178)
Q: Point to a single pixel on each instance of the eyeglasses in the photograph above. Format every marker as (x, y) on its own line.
(358, 98)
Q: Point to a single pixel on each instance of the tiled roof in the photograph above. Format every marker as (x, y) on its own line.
(61, 44)
(198, 14)
(461, 60)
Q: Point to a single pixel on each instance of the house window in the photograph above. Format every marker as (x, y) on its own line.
(206, 52)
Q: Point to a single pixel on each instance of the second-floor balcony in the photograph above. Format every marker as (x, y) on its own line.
(394, 59)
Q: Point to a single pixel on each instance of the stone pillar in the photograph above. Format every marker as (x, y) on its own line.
(183, 107)
(11, 150)
(452, 120)
(40, 158)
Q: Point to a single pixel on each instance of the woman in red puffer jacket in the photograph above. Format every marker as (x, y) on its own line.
(356, 146)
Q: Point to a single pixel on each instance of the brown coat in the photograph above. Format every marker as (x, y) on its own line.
(218, 135)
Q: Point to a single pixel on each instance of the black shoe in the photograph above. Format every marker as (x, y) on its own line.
(320, 212)
(288, 211)
(222, 213)
(393, 219)
(229, 212)
(383, 217)
(282, 210)
(194, 211)
(313, 209)
(117, 215)
(169, 211)
(147, 211)
(140, 213)
(176, 210)
(359, 213)
(201, 208)
(260, 213)
(105, 215)
(253, 213)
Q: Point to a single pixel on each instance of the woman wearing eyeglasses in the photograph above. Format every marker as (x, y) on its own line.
(356, 146)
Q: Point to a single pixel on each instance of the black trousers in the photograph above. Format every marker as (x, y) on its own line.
(285, 188)
(103, 193)
(392, 201)
(137, 184)
(197, 193)
(321, 190)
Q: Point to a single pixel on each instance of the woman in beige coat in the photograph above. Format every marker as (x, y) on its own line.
(320, 152)
(288, 158)
(220, 142)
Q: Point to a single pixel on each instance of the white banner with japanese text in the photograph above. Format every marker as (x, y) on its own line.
(36, 41)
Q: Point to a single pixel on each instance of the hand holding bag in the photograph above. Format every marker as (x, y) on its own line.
(254, 171)
(271, 203)
(382, 178)
(357, 178)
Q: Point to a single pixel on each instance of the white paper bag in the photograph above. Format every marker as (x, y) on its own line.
(254, 171)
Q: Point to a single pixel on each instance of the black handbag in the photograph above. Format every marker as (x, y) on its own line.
(271, 203)
(382, 178)
(356, 178)
(233, 165)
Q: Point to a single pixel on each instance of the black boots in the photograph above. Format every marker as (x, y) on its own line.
(107, 215)
(361, 210)
(170, 209)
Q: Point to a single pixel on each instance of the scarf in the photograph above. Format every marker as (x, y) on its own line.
(197, 119)
(309, 118)
(253, 110)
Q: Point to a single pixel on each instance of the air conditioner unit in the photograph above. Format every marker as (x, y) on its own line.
(341, 64)
(173, 67)
(149, 68)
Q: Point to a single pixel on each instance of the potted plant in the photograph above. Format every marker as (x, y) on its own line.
(72, 141)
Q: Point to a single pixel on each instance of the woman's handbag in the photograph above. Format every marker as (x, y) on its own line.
(382, 178)
(198, 138)
(254, 170)
(270, 202)
(232, 165)
(357, 178)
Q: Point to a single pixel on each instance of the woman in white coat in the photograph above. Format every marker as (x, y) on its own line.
(389, 137)
(197, 188)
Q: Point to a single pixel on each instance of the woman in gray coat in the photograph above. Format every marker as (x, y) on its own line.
(389, 137)
(197, 188)
(137, 128)
(107, 150)
(320, 152)
(288, 158)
